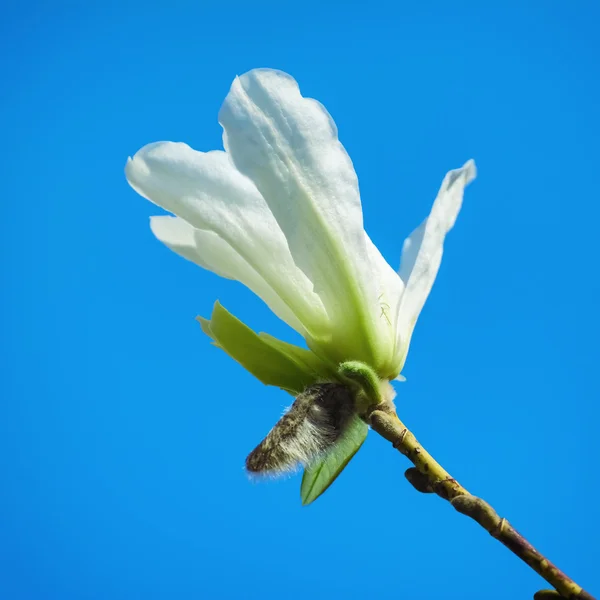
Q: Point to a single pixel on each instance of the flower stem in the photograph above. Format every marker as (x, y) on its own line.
(429, 477)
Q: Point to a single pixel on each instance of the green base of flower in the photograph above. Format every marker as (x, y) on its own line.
(295, 369)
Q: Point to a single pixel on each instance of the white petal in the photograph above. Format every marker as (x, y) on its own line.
(208, 192)
(179, 236)
(422, 251)
(209, 251)
(288, 145)
(391, 286)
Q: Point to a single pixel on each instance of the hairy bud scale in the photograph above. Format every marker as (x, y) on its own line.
(311, 426)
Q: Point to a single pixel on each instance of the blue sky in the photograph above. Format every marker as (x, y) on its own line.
(123, 432)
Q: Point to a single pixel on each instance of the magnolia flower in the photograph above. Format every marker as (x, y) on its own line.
(279, 210)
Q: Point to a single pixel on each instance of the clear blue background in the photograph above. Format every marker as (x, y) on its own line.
(123, 432)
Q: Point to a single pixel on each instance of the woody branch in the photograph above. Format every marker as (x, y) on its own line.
(428, 476)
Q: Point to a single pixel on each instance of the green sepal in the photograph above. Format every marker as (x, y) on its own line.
(318, 477)
(270, 360)
(305, 359)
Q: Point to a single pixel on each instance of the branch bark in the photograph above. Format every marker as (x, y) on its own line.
(428, 476)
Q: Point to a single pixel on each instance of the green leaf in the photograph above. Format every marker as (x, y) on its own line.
(318, 477)
(270, 360)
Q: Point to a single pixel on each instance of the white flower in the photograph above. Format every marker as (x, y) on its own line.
(279, 210)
